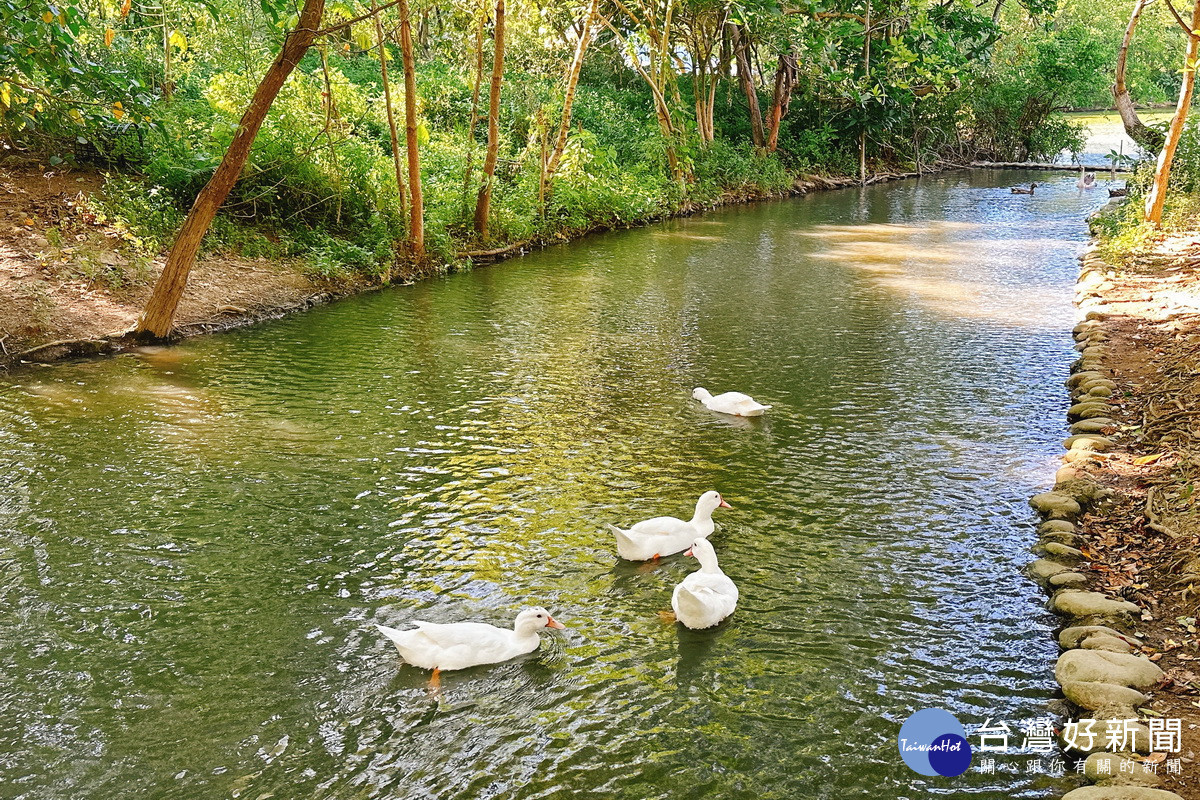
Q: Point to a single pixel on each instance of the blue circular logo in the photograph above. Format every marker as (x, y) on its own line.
(932, 742)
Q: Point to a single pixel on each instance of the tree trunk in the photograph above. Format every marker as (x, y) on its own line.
(158, 318)
(483, 204)
(1148, 138)
(741, 47)
(1158, 194)
(391, 117)
(416, 215)
(474, 105)
(585, 38)
(785, 79)
(862, 134)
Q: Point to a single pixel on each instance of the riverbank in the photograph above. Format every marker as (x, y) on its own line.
(1123, 565)
(72, 284)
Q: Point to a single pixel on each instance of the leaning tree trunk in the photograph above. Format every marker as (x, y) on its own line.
(416, 216)
(585, 37)
(484, 202)
(1148, 138)
(785, 79)
(1158, 194)
(741, 47)
(158, 318)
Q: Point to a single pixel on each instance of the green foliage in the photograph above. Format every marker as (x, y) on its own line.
(943, 79)
(146, 215)
(1011, 107)
(48, 83)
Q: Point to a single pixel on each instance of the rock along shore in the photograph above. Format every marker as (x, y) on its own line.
(1103, 671)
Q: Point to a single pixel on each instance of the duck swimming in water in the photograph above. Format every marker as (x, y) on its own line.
(1019, 190)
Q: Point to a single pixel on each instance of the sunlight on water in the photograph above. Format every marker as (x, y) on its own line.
(195, 542)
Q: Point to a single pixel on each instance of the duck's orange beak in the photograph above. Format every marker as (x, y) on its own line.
(689, 552)
(723, 504)
(553, 623)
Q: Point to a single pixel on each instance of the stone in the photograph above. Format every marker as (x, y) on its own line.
(1092, 604)
(1100, 391)
(1059, 552)
(1113, 769)
(1072, 539)
(1095, 383)
(1043, 568)
(1075, 580)
(1093, 425)
(1083, 490)
(1084, 327)
(1089, 410)
(1087, 441)
(1100, 666)
(1082, 377)
(1119, 793)
(1096, 412)
(1055, 505)
(1066, 473)
(1100, 641)
(1097, 696)
(1070, 638)
(1051, 525)
(1081, 456)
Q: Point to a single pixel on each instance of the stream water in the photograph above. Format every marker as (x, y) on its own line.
(195, 542)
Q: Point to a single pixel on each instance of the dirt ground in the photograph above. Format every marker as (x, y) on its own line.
(1146, 548)
(64, 274)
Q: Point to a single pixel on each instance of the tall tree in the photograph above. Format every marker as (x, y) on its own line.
(1145, 136)
(654, 22)
(564, 127)
(866, 66)
(416, 212)
(476, 82)
(1162, 175)
(483, 203)
(704, 25)
(742, 49)
(381, 43)
(781, 97)
(158, 319)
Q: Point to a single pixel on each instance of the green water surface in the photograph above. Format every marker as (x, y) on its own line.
(196, 542)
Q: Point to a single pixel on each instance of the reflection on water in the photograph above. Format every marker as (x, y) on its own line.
(1106, 135)
(195, 542)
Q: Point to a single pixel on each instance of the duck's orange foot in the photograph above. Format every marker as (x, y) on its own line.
(667, 617)
(435, 680)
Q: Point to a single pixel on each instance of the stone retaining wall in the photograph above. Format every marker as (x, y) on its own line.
(1102, 671)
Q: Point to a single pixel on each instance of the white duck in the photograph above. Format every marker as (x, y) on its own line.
(706, 596)
(735, 403)
(663, 536)
(459, 645)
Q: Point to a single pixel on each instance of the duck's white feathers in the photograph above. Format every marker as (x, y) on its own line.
(742, 405)
(458, 645)
(702, 600)
(661, 536)
(707, 596)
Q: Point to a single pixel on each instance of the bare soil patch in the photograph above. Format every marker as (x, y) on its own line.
(65, 275)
